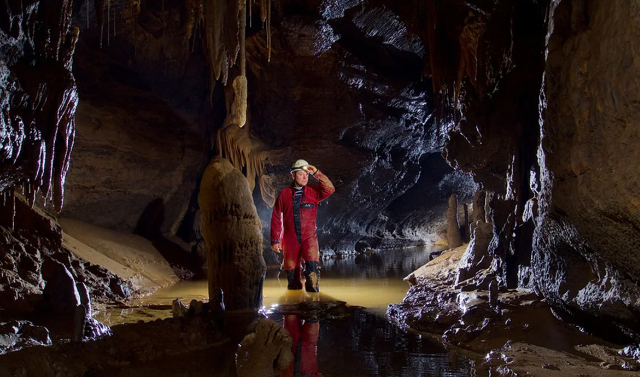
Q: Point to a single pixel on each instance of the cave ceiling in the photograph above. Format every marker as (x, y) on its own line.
(344, 85)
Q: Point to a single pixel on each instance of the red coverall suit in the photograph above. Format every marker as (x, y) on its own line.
(304, 245)
(308, 333)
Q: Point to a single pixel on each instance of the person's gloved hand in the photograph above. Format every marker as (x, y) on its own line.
(311, 169)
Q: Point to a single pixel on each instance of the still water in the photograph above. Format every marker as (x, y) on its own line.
(364, 344)
(370, 280)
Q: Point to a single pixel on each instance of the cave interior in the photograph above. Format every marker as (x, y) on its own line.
(145, 142)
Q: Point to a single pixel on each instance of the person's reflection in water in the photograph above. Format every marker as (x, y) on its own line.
(304, 346)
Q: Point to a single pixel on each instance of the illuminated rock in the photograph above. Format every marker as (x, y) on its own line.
(265, 352)
(233, 235)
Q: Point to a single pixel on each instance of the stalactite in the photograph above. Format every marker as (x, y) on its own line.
(135, 7)
(242, 39)
(225, 25)
(214, 21)
(49, 105)
(432, 26)
(194, 12)
(239, 107)
(469, 39)
(99, 6)
(269, 32)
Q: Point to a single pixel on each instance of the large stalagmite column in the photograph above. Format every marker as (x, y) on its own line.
(233, 235)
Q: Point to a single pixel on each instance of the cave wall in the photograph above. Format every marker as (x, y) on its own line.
(143, 121)
(554, 140)
(586, 242)
(345, 91)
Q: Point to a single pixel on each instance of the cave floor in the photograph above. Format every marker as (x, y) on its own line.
(363, 342)
(342, 331)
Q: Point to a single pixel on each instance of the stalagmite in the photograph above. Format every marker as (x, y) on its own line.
(233, 235)
(453, 227)
(477, 256)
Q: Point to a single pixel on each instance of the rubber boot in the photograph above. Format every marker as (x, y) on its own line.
(312, 275)
(293, 279)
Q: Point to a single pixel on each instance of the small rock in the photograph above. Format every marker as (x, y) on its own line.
(178, 309)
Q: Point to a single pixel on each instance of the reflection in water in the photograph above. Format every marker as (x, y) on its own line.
(365, 345)
(390, 264)
(304, 335)
(362, 344)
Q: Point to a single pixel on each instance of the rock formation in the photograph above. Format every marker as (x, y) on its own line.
(265, 352)
(454, 239)
(233, 235)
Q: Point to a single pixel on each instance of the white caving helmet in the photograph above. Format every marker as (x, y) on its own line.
(299, 165)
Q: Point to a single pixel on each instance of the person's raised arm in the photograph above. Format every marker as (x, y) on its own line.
(326, 187)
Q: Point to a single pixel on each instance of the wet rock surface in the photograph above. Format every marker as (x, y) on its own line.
(517, 330)
(15, 335)
(132, 351)
(588, 217)
(39, 274)
(265, 352)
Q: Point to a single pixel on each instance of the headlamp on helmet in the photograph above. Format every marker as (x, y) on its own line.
(299, 165)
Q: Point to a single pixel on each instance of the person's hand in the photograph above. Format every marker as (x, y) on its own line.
(311, 169)
(277, 247)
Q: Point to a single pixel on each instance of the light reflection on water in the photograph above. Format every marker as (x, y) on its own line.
(364, 344)
(371, 280)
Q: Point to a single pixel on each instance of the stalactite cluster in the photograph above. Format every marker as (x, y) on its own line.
(220, 24)
(194, 18)
(245, 152)
(39, 103)
(225, 25)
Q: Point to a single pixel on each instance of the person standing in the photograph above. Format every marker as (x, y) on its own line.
(293, 225)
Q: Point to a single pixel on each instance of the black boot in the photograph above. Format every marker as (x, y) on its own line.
(312, 275)
(293, 279)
